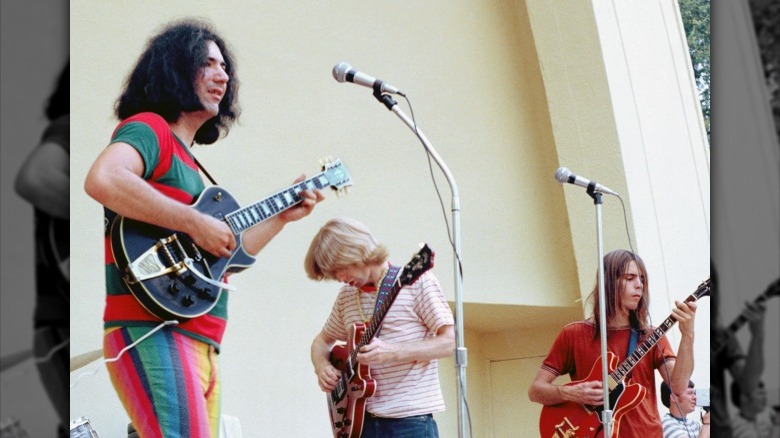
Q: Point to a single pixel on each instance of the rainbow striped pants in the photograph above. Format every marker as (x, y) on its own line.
(168, 383)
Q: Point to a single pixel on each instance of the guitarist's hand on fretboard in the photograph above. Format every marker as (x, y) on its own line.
(684, 313)
(309, 198)
(755, 312)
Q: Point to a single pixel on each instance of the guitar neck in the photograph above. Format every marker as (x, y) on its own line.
(639, 352)
(718, 343)
(742, 318)
(376, 320)
(251, 215)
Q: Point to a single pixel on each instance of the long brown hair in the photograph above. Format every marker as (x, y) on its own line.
(615, 265)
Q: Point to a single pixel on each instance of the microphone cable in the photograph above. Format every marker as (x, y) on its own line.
(121, 352)
(450, 237)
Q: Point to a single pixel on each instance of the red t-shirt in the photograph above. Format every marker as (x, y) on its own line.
(575, 350)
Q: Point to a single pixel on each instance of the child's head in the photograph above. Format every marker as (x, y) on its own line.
(342, 242)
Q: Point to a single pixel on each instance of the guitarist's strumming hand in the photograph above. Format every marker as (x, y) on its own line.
(211, 234)
(327, 376)
(585, 393)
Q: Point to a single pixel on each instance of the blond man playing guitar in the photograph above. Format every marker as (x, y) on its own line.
(400, 391)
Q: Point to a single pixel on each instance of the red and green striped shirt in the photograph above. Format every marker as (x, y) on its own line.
(170, 168)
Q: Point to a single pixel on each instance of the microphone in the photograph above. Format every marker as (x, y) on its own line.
(344, 72)
(565, 175)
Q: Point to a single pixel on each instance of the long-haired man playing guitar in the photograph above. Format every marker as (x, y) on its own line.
(578, 346)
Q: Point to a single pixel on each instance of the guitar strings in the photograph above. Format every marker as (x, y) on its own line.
(104, 361)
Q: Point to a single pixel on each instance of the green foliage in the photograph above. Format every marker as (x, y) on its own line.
(696, 20)
(766, 18)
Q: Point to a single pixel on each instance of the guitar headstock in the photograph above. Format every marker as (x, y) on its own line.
(773, 289)
(337, 174)
(421, 262)
(702, 291)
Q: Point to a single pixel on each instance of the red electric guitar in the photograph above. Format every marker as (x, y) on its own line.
(346, 403)
(573, 420)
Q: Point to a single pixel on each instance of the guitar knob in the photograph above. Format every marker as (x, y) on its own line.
(348, 423)
(187, 301)
(173, 288)
(189, 280)
(340, 410)
(205, 293)
(337, 424)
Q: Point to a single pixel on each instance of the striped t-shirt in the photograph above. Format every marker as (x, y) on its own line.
(419, 311)
(170, 168)
(760, 427)
(679, 427)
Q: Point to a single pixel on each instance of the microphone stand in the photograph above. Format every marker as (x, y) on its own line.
(606, 413)
(460, 349)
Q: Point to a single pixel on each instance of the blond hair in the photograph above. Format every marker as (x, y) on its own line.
(340, 243)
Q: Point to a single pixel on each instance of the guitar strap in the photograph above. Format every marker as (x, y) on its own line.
(205, 171)
(632, 343)
(384, 290)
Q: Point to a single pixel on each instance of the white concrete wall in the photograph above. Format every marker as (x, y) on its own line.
(484, 92)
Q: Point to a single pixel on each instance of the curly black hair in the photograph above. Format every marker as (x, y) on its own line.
(59, 101)
(163, 79)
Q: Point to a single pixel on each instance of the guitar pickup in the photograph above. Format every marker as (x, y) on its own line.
(150, 264)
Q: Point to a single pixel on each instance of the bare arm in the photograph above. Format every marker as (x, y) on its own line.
(327, 375)
(754, 362)
(543, 391)
(115, 181)
(44, 180)
(380, 352)
(680, 370)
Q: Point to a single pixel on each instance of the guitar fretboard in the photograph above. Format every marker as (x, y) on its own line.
(376, 320)
(718, 343)
(628, 364)
(251, 215)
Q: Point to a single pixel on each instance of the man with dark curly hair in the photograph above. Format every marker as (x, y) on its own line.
(182, 91)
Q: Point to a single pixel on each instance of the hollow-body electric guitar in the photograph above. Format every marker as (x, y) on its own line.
(171, 276)
(717, 343)
(346, 403)
(570, 419)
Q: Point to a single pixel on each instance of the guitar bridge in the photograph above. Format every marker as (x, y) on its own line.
(150, 264)
(565, 429)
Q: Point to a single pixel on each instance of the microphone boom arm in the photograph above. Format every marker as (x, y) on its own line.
(461, 355)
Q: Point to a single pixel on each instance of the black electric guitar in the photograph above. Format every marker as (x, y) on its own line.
(717, 343)
(570, 419)
(171, 276)
(346, 403)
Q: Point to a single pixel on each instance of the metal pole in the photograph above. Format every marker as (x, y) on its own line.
(461, 354)
(606, 413)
